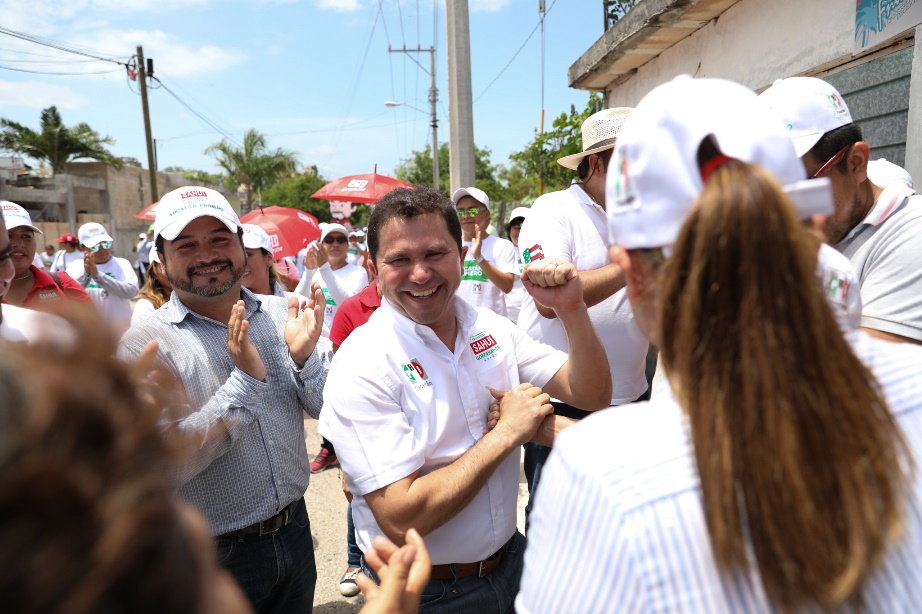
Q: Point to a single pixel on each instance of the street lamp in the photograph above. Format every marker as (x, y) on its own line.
(433, 96)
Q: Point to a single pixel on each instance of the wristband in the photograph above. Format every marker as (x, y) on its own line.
(479, 260)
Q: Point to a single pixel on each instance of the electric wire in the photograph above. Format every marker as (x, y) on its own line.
(201, 117)
(69, 74)
(47, 42)
(515, 55)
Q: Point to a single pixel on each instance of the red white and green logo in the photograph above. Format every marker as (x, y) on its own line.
(837, 104)
(483, 345)
(533, 253)
(414, 371)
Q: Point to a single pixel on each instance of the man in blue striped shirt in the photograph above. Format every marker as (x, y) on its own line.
(250, 368)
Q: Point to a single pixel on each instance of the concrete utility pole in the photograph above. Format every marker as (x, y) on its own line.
(151, 160)
(460, 99)
(433, 99)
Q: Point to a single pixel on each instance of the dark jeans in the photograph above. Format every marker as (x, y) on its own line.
(326, 443)
(353, 552)
(494, 592)
(276, 571)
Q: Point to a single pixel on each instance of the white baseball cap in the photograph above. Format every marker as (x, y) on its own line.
(518, 212)
(92, 234)
(153, 257)
(475, 193)
(15, 216)
(255, 237)
(808, 108)
(181, 206)
(655, 177)
(331, 228)
(883, 173)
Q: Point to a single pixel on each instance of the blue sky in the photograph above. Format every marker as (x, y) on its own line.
(311, 74)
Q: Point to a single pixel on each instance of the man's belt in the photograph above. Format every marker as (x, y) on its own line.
(270, 525)
(462, 570)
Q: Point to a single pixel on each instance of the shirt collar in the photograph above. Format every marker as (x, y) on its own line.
(583, 197)
(887, 203)
(465, 314)
(176, 311)
(369, 297)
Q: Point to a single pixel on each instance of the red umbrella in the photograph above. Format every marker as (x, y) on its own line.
(148, 213)
(290, 229)
(368, 188)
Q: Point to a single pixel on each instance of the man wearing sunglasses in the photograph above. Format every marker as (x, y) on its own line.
(110, 281)
(879, 228)
(489, 266)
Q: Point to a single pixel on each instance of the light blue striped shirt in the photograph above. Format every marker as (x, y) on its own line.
(619, 525)
(253, 461)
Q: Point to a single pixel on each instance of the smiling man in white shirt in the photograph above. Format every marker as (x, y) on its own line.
(408, 395)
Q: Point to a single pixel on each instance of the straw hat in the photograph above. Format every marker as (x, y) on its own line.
(599, 133)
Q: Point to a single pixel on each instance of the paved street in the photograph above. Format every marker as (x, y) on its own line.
(326, 507)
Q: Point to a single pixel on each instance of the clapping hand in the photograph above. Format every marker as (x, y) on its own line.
(304, 326)
(403, 571)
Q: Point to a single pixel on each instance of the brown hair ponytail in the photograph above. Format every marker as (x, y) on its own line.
(794, 442)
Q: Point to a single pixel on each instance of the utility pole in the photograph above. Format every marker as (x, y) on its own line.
(433, 99)
(151, 160)
(460, 98)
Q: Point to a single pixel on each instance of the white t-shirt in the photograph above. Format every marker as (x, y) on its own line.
(142, 308)
(840, 284)
(23, 325)
(886, 251)
(569, 226)
(517, 294)
(63, 259)
(397, 401)
(116, 283)
(475, 287)
(337, 286)
(620, 493)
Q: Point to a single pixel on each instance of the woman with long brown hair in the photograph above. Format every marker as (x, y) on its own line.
(774, 467)
(156, 290)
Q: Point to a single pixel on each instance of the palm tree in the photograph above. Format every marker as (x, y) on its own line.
(56, 143)
(253, 166)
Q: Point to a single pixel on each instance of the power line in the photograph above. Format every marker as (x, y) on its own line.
(47, 42)
(204, 119)
(516, 54)
(70, 74)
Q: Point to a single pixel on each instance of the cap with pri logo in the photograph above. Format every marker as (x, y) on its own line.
(475, 193)
(808, 108)
(92, 234)
(183, 205)
(655, 177)
(255, 237)
(15, 216)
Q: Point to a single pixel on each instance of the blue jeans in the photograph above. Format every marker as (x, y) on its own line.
(493, 593)
(353, 552)
(276, 571)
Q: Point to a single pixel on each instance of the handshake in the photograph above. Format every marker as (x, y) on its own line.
(526, 413)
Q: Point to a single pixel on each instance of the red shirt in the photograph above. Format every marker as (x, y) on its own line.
(45, 292)
(354, 312)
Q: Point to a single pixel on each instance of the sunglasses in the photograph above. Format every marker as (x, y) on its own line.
(824, 170)
(472, 212)
(101, 245)
(331, 240)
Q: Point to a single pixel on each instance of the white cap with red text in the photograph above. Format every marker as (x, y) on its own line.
(92, 234)
(655, 177)
(15, 216)
(183, 205)
(255, 237)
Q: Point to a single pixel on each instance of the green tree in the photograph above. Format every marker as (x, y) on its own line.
(296, 192)
(217, 179)
(539, 157)
(56, 143)
(253, 165)
(417, 170)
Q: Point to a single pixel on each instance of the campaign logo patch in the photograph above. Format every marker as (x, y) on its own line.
(837, 104)
(484, 346)
(533, 253)
(837, 286)
(416, 374)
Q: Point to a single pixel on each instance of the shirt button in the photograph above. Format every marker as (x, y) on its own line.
(271, 443)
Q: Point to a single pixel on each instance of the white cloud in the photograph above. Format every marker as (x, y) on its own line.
(172, 57)
(488, 5)
(38, 95)
(343, 6)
